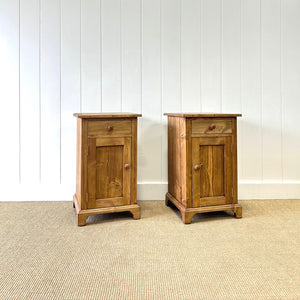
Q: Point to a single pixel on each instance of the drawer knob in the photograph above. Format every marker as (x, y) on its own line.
(212, 127)
(126, 166)
(197, 167)
(110, 128)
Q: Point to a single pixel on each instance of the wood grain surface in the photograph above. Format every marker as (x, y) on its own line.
(202, 163)
(106, 166)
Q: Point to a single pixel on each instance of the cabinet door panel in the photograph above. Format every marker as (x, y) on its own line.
(212, 171)
(109, 172)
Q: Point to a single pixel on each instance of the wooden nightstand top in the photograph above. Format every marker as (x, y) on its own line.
(202, 115)
(106, 115)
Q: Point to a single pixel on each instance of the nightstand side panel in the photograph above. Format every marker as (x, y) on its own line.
(174, 161)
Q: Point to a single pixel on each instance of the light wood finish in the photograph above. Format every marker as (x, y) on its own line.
(234, 165)
(82, 215)
(81, 163)
(211, 171)
(188, 213)
(106, 115)
(133, 165)
(106, 166)
(201, 115)
(202, 166)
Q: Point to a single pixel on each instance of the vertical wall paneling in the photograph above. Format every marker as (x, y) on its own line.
(291, 89)
(140, 133)
(271, 91)
(250, 140)
(190, 55)
(231, 56)
(29, 91)
(171, 58)
(90, 56)
(231, 62)
(171, 68)
(150, 140)
(50, 91)
(131, 17)
(9, 91)
(111, 55)
(58, 57)
(70, 86)
(131, 55)
(211, 56)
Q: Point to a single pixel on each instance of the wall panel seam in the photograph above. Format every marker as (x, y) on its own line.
(201, 52)
(241, 60)
(200, 48)
(141, 53)
(161, 89)
(80, 54)
(241, 140)
(40, 95)
(19, 83)
(101, 59)
(261, 88)
(121, 58)
(221, 55)
(140, 123)
(281, 89)
(60, 78)
(180, 52)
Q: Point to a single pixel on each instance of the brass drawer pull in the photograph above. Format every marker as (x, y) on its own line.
(126, 166)
(212, 127)
(197, 167)
(110, 128)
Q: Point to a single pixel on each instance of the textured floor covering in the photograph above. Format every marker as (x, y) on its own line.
(44, 255)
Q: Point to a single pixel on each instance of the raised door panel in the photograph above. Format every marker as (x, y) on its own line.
(211, 171)
(109, 172)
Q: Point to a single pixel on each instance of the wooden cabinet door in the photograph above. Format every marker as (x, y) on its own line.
(211, 171)
(109, 172)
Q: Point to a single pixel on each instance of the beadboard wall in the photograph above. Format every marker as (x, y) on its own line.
(58, 57)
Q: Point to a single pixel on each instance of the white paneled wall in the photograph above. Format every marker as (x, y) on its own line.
(58, 57)
(10, 92)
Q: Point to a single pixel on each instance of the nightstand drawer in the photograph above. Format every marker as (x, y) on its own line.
(211, 126)
(109, 128)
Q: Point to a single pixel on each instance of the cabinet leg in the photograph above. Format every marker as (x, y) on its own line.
(136, 213)
(238, 212)
(166, 201)
(81, 219)
(187, 217)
